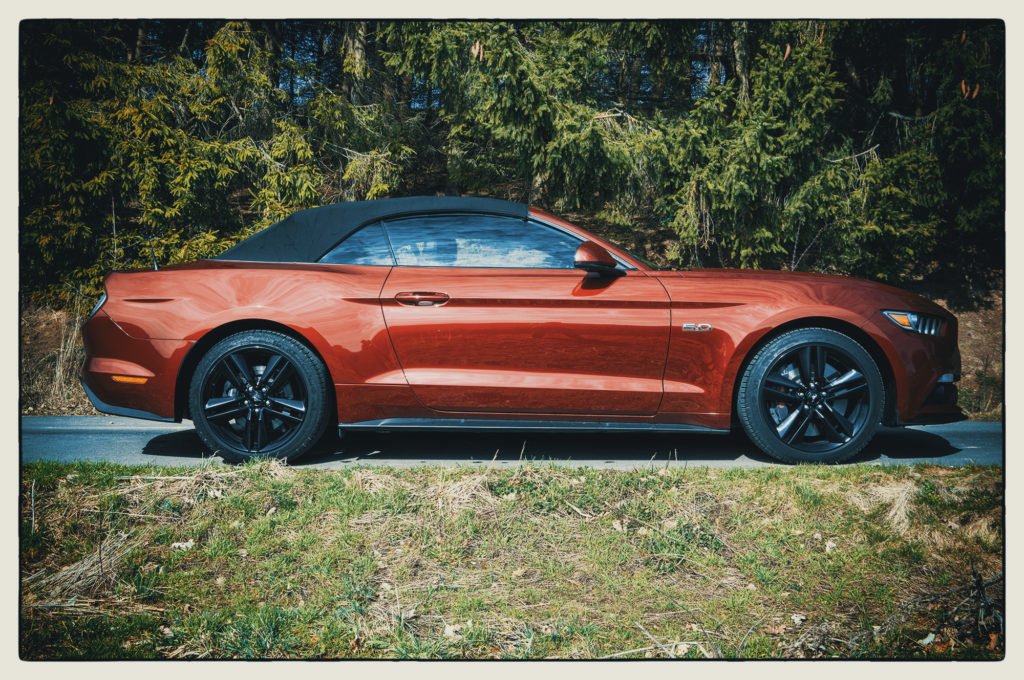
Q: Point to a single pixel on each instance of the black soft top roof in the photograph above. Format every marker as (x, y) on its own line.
(306, 235)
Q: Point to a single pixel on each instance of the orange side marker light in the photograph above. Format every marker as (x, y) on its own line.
(131, 379)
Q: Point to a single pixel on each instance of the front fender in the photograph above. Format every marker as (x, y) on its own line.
(828, 316)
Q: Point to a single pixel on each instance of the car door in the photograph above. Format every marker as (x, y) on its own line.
(487, 315)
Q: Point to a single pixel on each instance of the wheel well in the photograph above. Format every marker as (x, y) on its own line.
(192, 359)
(862, 338)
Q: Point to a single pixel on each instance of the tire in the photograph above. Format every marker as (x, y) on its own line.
(260, 394)
(798, 413)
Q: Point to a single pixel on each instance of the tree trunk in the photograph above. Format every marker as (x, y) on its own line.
(353, 47)
(741, 58)
(635, 77)
(407, 92)
(272, 43)
(717, 58)
(140, 37)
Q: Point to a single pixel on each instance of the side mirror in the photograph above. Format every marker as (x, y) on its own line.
(591, 257)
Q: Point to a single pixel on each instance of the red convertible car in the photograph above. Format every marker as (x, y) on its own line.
(475, 313)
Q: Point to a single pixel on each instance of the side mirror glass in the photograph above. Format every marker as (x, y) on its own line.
(591, 257)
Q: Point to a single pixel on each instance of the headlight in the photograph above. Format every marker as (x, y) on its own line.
(103, 298)
(915, 322)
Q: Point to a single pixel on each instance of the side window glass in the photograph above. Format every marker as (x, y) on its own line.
(479, 241)
(368, 246)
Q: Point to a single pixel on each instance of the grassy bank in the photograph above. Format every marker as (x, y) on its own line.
(267, 561)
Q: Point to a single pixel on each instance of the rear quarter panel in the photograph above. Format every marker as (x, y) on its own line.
(336, 308)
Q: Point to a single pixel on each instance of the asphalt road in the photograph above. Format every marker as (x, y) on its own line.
(139, 442)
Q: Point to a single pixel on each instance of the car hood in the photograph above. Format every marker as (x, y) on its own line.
(825, 286)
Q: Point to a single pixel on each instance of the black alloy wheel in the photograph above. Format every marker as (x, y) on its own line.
(259, 394)
(811, 395)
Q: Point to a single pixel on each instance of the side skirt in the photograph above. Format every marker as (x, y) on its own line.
(495, 425)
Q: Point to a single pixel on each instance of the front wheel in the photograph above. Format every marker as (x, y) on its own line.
(811, 395)
(260, 394)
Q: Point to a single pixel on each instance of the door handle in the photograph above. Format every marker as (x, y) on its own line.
(422, 299)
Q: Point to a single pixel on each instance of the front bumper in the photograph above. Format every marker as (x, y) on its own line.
(940, 406)
(937, 418)
(925, 369)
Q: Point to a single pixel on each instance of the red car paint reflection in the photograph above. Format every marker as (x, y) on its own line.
(646, 346)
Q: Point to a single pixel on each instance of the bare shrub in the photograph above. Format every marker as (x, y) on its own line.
(51, 356)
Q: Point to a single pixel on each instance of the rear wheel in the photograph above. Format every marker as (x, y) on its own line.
(260, 394)
(811, 395)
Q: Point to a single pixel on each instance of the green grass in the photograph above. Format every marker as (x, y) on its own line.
(535, 562)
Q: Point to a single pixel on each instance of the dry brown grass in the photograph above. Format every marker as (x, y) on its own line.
(51, 355)
(93, 575)
(981, 349)
(453, 495)
(896, 496)
(181, 490)
(373, 482)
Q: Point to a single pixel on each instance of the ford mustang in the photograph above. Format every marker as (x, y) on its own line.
(475, 313)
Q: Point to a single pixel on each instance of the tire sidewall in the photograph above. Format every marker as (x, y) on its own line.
(311, 372)
(758, 425)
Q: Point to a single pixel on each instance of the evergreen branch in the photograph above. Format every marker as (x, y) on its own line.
(850, 158)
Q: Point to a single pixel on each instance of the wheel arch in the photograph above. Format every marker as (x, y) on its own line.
(199, 349)
(863, 338)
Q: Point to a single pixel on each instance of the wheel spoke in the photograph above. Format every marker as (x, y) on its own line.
(223, 407)
(283, 414)
(237, 371)
(793, 426)
(798, 432)
(779, 395)
(782, 381)
(845, 385)
(293, 404)
(830, 426)
(846, 392)
(249, 434)
(820, 360)
(806, 373)
(827, 428)
(255, 435)
(853, 375)
(261, 430)
(278, 368)
(841, 422)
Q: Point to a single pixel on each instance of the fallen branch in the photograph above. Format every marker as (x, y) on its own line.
(901, 116)
(698, 645)
(668, 650)
(173, 478)
(916, 603)
(584, 515)
(130, 514)
(743, 642)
